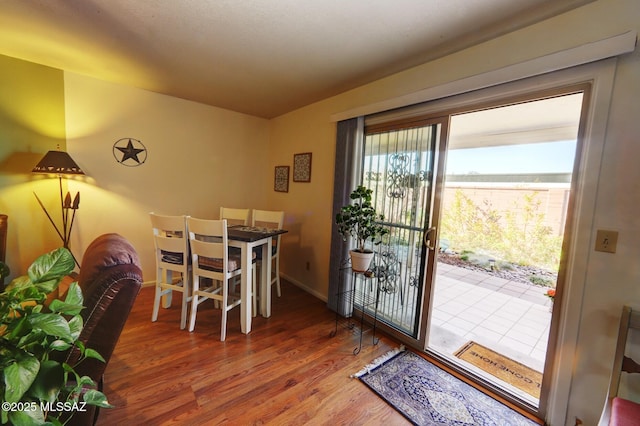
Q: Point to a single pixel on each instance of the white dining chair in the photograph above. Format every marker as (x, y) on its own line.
(170, 237)
(271, 220)
(235, 216)
(212, 259)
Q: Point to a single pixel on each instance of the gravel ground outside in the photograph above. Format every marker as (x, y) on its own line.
(517, 273)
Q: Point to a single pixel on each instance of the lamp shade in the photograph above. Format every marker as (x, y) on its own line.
(58, 162)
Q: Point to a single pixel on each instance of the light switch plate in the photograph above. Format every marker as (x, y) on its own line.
(606, 241)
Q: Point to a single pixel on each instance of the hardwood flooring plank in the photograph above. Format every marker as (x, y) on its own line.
(286, 371)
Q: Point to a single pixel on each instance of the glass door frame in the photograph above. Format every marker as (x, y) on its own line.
(442, 116)
(585, 88)
(556, 407)
(427, 259)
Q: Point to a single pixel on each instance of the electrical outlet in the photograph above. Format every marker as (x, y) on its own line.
(606, 241)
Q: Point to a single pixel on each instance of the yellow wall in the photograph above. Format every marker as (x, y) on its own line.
(305, 249)
(199, 158)
(188, 170)
(32, 122)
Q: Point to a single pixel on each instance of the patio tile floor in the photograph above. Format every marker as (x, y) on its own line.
(510, 317)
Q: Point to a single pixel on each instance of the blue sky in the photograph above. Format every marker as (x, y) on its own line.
(550, 157)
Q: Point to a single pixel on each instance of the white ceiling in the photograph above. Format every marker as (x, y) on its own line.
(260, 57)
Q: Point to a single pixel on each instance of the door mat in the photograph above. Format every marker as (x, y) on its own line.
(516, 374)
(427, 395)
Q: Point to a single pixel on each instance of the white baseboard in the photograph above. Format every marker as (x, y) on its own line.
(283, 276)
(304, 287)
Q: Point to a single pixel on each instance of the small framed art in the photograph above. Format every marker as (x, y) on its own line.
(302, 167)
(281, 182)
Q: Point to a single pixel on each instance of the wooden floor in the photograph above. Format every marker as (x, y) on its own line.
(287, 371)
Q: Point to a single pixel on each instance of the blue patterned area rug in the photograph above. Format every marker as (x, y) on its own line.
(428, 395)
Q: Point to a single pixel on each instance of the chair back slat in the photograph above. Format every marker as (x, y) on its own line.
(169, 225)
(170, 239)
(235, 216)
(169, 243)
(268, 219)
(209, 247)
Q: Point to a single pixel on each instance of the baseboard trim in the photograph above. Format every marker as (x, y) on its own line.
(283, 276)
(148, 283)
(304, 287)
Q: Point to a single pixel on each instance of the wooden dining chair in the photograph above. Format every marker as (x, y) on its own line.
(271, 220)
(214, 267)
(171, 242)
(235, 216)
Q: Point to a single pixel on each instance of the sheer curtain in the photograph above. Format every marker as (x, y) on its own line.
(348, 167)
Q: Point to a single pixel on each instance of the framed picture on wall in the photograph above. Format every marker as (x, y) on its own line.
(281, 182)
(302, 167)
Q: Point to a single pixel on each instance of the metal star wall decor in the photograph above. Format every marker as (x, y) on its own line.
(129, 152)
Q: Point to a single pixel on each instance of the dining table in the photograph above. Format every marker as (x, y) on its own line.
(246, 238)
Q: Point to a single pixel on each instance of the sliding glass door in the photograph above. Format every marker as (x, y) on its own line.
(476, 200)
(399, 167)
(505, 201)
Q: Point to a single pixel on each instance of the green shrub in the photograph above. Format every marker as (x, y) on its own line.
(541, 281)
(517, 236)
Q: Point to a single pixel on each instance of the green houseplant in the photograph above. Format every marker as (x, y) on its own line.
(35, 388)
(360, 221)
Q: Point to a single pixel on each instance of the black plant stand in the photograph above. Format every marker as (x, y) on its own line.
(355, 295)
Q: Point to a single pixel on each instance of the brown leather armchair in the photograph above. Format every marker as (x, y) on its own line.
(110, 278)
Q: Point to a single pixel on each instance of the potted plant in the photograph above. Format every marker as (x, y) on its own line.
(34, 387)
(361, 221)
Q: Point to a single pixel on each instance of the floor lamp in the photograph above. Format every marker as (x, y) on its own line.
(61, 163)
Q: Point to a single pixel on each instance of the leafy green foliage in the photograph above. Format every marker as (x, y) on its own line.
(519, 235)
(29, 334)
(541, 281)
(360, 219)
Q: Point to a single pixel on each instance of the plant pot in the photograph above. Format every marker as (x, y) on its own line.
(360, 261)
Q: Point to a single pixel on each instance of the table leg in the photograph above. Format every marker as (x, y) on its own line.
(265, 280)
(245, 290)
